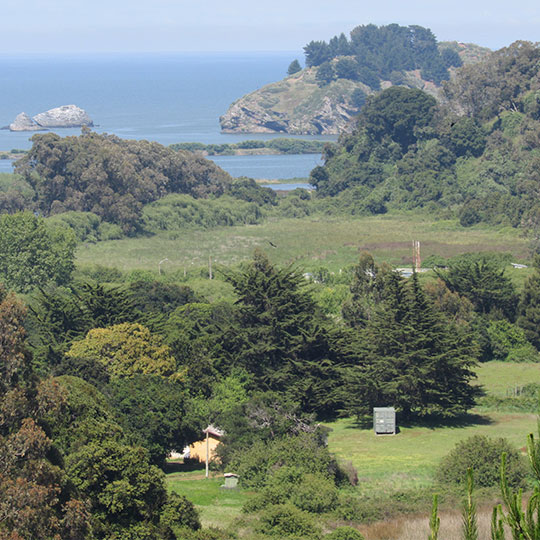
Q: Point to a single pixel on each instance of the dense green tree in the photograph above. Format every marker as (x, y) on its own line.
(282, 339)
(34, 254)
(412, 358)
(484, 283)
(325, 73)
(347, 68)
(529, 306)
(111, 177)
(316, 53)
(152, 411)
(294, 67)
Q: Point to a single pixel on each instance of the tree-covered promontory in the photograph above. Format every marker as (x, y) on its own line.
(476, 153)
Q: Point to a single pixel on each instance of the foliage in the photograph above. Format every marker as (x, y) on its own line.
(124, 489)
(411, 358)
(285, 520)
(281, 338)
(529, 306)
(484, 283)
(33, 253)
(176, 212)
(35, 499)
(344, 533)
(125, 349)
(481, 454)
(294, 67)
(384, 50)
(179, 512)
(86, 226)
(111, 177)
(153, 412)
(303, 452)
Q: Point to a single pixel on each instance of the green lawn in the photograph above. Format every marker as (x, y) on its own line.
(309, 242)
(500, 378)
(411, 457)
(218, 507)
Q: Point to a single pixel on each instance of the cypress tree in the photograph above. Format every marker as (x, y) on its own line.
(529, 306)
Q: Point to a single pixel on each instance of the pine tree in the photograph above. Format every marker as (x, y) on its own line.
(411, 358)
(282, 339)
(529, 306)
(294, 67)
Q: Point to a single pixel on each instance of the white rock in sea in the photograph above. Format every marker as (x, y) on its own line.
(23, 122)
(65, 116)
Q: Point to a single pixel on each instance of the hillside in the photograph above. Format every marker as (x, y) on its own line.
(476, 155)
(324, 97)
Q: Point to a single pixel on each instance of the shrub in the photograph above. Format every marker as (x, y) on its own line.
(283, 520)
(179, 512)
(344, 533)
(483, 455)
(315, 493)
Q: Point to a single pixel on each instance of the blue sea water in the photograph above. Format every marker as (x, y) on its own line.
(166, 98)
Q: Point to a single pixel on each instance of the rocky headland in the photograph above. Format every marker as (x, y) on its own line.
(66, 116)
(300, 105)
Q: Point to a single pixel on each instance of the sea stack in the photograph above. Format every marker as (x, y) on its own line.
(67, 116)
(23, 122)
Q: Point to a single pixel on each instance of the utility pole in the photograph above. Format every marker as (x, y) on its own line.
(417, 263)
(210, 266)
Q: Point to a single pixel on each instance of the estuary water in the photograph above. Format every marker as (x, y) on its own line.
(166, 98)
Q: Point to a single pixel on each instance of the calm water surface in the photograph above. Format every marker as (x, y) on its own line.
(164, 98)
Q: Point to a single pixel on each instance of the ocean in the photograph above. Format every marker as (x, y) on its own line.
(165, 98)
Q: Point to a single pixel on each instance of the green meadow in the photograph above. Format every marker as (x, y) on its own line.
(309, 242)
(388, 463)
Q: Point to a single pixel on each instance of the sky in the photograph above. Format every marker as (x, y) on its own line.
(85, 26)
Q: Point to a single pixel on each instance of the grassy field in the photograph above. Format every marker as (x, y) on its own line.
(385, 464)
(218, 507)
(308, 242)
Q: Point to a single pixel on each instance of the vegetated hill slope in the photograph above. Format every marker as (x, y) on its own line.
(325, 97)
(108, 176)
(477, 154)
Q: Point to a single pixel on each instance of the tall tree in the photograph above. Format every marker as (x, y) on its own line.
(529, 306)
(34, 254)
(412, 358)
(282, 338)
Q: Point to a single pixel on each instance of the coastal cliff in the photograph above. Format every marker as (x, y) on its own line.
(300, 104)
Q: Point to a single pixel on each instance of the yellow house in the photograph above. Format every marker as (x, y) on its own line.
(205, 450)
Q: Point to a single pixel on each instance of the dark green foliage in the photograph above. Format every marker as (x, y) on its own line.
(124, 489)
(111, 177)
(152, 411)
(34, 254)
(285, 520)
(86, 417)
(397, 113)
(157, 297)
(483, 455)
(358, 98)
(282, 339)
(59, 316)
(412, 358)
(344, 533)
(381, 51)
(484, 283)
(466, 138)
(304, 453)
(264, 417)
(347, 68)
(529, 306)
(294, 67)
(325, 73)
(179, 513)
(246, 189)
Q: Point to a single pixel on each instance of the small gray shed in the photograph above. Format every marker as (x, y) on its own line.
(231, 481)
(384, 420)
